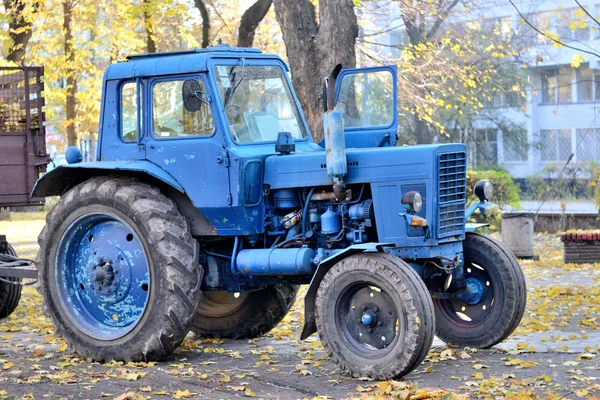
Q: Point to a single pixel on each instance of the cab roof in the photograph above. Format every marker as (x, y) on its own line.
(177, 62)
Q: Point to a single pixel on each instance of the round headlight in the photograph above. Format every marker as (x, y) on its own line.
(413, 201)
(484, 189)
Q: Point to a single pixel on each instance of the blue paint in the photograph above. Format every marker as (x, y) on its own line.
(335, 147)
(244, 188)
(276, 261)
(331, 222)
(474, 292)
(367, 319)
(73, 155)
(102, 275)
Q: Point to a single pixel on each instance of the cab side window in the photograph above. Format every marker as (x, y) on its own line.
(129, 112)
(170, 117)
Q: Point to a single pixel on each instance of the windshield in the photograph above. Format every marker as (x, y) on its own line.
(258, 103)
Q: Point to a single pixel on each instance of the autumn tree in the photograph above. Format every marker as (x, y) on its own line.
(19, 13)
(453, 71)
(314, 45)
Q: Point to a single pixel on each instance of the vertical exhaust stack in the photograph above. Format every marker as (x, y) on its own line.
(333, 126)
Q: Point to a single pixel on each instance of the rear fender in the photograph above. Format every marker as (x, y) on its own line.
(310, 325)
(64, 177)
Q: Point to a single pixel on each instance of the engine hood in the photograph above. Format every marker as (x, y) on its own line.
(368, 165)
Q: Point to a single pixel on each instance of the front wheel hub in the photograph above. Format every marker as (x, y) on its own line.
(474, 291)
(367, 319)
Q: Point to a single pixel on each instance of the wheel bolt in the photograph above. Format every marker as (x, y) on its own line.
(363, 308)
(376, 309)
(370, 330)
(379, 323)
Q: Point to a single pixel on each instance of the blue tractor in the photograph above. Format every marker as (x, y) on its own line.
(209, 204)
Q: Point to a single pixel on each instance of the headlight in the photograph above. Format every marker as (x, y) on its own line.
(412, 201)
(484, 190)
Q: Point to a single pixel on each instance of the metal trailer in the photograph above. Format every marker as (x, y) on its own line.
(23, 158)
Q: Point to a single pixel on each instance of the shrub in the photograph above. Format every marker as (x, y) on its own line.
(506, 192)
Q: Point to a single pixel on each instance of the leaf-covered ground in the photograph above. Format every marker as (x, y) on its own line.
(553, 354)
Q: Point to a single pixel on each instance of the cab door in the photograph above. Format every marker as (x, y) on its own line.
(367, 97)
(189, 146)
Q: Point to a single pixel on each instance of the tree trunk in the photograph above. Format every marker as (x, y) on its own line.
(314, 49)
(205, 22)
(250, 21)
(71, 101)
(19, 30)
(150, 44)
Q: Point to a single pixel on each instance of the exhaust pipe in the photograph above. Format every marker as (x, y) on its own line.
(335, 144)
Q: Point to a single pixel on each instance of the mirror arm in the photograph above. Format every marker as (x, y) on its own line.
(199, 95)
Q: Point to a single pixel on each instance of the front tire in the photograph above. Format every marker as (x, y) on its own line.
(118, 270)
(249, 315)
(374, 316)
(10, 294)
(489, 319)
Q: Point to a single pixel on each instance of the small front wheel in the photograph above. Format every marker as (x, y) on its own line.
(374, 316)
(496, 304)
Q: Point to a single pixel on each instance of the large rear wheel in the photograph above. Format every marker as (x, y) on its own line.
(118, 270)
(374, 316)
(497, 298)
(243, 315)
(10, 293)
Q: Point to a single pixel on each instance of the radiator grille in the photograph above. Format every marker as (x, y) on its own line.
(452, 194)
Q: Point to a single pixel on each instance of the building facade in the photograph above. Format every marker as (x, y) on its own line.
(563, 103)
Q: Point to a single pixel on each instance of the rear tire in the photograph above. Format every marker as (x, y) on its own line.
(135, 287)
(9, 294)
(222, 315)
(374, 316)
(491, 320)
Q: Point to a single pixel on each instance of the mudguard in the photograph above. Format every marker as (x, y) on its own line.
(310, 325)
(63, 177)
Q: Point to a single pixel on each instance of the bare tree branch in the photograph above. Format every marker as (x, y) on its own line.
(205, 22)
(250, 21)
(552, 39)
(587, 12)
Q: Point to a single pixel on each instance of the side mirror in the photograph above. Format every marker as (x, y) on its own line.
(191, 92)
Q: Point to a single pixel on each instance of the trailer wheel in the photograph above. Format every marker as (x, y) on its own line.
(9, 294)
(374, 316)
(243, 315)
(119, 270)
(495, 309)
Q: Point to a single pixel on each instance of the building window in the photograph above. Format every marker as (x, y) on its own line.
(580, 24)
(569, 24)
(585, 83)
(588, 145)
(563, 24)
(543, 23)
(515, 149)
(483, 148)
(525, 33)
(557, 85)
(555, 144)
